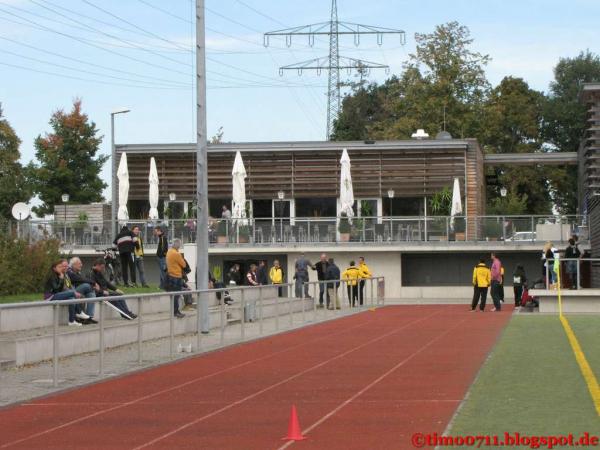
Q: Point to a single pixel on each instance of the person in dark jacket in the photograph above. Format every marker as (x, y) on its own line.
(235, 275)
(333, 274)
(105, 288)
(261, 274)
(161, 255)
(519, 279)
(125, 244)
(321, 268)
(85, 286)
(572, 252)
(57, 288)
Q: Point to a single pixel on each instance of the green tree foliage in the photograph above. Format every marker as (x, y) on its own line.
(23, 266)
(511, 120)
(67, 161)
(443, 78)
(13, 184)
(565, 121)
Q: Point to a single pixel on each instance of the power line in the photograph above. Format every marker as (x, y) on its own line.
(112, 36)
(150, 33)
(87, 79)
(168, 13)
(55, 64)
(84, 41)
(38, 49)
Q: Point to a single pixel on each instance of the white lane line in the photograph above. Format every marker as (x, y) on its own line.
(273, 386)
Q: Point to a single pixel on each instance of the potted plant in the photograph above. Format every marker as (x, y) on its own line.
(459, 228)
(344, 228)
(222, 237)
(243, 234)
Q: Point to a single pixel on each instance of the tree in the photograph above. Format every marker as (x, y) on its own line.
(565, 121)
(13, 184)
(443, 79)
(67, 161)
(511, 124)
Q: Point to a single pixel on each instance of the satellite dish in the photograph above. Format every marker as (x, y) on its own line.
(20, 211)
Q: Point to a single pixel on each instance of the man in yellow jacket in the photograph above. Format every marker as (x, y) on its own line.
(364, 273)
(351, 276)
(276, 276)
(175, 266)
(481, 281)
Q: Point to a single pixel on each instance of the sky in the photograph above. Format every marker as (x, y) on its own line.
(138, 54)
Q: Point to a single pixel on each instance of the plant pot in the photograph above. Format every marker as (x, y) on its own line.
(459, 236)
(344, 237)
(221, 239)
(243, 239)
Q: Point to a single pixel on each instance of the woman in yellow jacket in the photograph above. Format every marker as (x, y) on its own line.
(365, 273)
(481, 281)
(351, 276)
(276, 276)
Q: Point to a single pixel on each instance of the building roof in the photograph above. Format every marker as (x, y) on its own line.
(299, 146)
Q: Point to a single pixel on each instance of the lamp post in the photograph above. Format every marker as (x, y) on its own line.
(172, 198)
(390, 193)
(281, 196)
(65, 200)
(113, 153)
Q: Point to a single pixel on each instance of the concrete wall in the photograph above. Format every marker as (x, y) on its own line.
(456, 269)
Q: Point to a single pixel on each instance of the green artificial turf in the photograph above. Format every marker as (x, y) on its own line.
(532, 384)
(39, 296)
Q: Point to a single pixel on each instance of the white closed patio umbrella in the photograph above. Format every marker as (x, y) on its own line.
(456, 208)
(153, 192)
(123, 177)
(238, 179)
(346, 191)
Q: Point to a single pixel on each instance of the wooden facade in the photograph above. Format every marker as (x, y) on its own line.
(312, 170)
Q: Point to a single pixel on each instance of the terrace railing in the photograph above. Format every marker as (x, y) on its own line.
(285, 231)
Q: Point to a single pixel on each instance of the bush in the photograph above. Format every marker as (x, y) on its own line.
(23, 266)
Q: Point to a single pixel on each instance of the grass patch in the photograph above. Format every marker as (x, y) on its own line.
(18, 298)
(532, 384)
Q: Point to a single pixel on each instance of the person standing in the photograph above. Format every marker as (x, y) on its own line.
(333, 276)
(138, 254)
(321, 268)
(261, 273)
(252, 280)
(351, 276)
(572, 252)
(124, 242)
(276, 277)
(175, 266)
(161, 255)
(481, 282)
(501, 290)
(235, 275)
(496, 276)
(226, 213)
(365, 273)
(519, 280)
(301, 276)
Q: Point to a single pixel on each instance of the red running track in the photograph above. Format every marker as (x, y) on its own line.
(365, 381)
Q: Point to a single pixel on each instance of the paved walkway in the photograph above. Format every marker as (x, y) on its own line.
(24, 383)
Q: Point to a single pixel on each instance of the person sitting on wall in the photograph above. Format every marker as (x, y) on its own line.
(105, 288)
(56, 288)
(82, 285)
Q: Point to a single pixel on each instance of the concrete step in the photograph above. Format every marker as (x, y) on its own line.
(7, 363)
(35, 345)
(42, 316)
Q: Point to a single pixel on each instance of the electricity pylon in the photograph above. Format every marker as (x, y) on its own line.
(334, 62)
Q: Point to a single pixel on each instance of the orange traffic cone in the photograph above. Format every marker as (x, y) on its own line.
(294, 433)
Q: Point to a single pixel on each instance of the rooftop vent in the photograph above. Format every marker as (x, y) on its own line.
(420, 134)
(442, 135)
